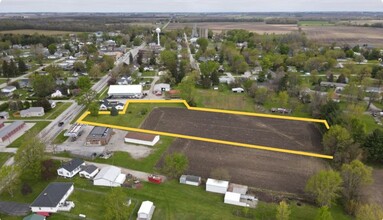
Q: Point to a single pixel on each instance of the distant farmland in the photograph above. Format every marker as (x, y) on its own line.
(32, 31)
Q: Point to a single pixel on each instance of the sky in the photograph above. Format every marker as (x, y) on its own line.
(188, 5)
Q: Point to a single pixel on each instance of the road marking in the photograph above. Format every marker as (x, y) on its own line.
(237, 144)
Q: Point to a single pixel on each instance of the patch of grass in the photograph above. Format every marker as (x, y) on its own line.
(147, 164)
(78, 116)
(370, 123)
(4, 157)
(58, 110)
(378, 105)
(148, 73)
(134, 115)
(40, 125)
(315, 23)
(60, 138)
(224, 100)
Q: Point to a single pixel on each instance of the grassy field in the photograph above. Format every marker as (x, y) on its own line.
(224, 100)
(30, 32)
(314, 23)
(148, 73)
(123, 159)
(134, 115)
(172, 201)
(60, 138)
(4, 157)
(60, 108)
(40, 125)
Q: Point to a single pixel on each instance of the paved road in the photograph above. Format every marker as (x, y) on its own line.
(139, 174)
(29, 73)
(193, 62)
(125, 58)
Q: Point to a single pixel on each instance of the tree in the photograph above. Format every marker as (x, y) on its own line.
(43, 85)
(95, 71)
(5, 69)
(169, 59)
(374, 146)
(9, 178)
(52, 48)
(84, 83)
(115, 205)
(323, 214)
(359, 58)
(22, 66)
(175, 165)
(220, 174)
(48, 169)
(113, 111)
(86, 97)
(369, 212)
(336, 139)
(30, 155)
(109, 62)
(43, 102)
(325, 187)
(94, 108)
(283, 211)
(79, 66)
(203, 43)
(187, 89)
(55, 71)
(355, 176)
(131, 59)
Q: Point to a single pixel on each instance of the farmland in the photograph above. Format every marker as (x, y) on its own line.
(32, 31)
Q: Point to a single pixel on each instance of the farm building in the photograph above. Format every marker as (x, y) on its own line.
(190, 180)
(4, 115)
(109, 176)
(99, 136)
(53, 199)
(89, 171)
(8, 131)
(146, 211)
(234, 199)
(32, 112)
(70, 168)
(125, 91)
(141, 138)
(217, 186)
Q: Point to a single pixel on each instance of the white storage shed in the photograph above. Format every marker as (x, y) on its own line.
(146, 210)
(217, 186)
(234, 199)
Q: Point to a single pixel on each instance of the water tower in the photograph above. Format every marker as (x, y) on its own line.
(158, 31)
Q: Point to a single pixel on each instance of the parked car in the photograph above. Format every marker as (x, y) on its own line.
(61, 123)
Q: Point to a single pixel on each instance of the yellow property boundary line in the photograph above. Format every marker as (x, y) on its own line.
(237, 144)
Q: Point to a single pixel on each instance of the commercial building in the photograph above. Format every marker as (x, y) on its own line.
(99, 136)
(7, 131)
(126, 91)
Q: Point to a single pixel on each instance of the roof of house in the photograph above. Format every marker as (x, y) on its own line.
(4, 114)
(140, 136)
(89, 168)
(146, 207)
(72, 165)
(9, 88)
(110, 173)
(5, 131)
(123, 89)
(32, 109)
(52, 195)
(99, 132)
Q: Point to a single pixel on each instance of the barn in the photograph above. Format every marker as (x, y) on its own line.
(141, 138)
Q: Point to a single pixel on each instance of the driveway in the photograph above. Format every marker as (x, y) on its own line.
(14, 208)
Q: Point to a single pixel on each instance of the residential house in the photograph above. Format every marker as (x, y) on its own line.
(53, 103)
(99, 136)
(146, 211)
(32, 112)
(57, 94)
(160, 88)
(24, 83)
(109, 176)
(107, 105)
(70, 168)
(8, 90)
(4, 115)
(53, 199)
(89, 171)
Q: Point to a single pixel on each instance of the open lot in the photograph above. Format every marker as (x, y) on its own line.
(345, 35)
(257, 27)
(261, 169)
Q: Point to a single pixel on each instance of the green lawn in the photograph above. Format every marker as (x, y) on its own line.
(40, 125)
(314, 23)
(370, 123)
(225, 99)
(148, 73)
(3, 81)
(133, 116)
(60, 138)
(4, 157)
(123, 159)
(60, 108)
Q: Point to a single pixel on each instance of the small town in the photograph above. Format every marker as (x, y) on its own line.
(126, 110)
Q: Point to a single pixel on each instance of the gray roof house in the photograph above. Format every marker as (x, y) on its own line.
(32, 112)
(53, 198)
(89, 171)
(4, 115)
(70, 168)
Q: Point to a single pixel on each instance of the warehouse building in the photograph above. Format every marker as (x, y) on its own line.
(125, 91)
(7, 131)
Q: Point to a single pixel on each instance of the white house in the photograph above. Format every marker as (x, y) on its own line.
(57, 94)
(32, 112)
(190, 180)
(234, 199)
(141, 138)
(8, 89)
(54, 199)
(146, 211)
(160, 88)
(109, 176)
(125, 91)
(89, 171)
(70, 168)
(238, 90)
(217, 186)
